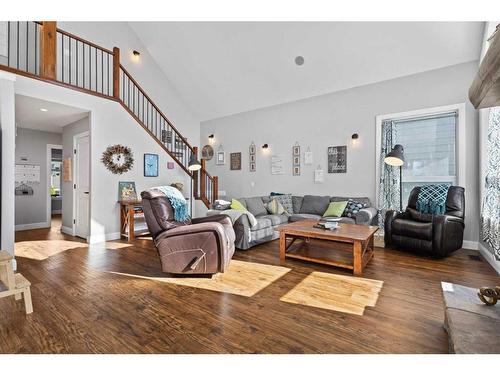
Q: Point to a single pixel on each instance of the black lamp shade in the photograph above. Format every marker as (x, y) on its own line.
(194, 164)
(396, 157)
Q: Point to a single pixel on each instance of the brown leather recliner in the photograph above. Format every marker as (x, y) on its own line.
(199, 246)
(434, 235)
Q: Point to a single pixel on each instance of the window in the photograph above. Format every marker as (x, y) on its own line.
(430, 150)
(434, 149)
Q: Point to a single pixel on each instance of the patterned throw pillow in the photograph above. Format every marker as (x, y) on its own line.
(353, 208)
(275, 208)
(286, 202)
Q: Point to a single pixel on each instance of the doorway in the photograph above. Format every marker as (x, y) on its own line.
(81, 178)
(54, 190)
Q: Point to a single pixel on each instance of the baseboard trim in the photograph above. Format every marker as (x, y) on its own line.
(32, 226)
(67, 230)
(104, 237)
(471, 245)
(490, 258)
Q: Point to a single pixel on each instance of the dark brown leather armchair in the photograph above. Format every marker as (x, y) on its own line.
(200, 246)
(435, 235)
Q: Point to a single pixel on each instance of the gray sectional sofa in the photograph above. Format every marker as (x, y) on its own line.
(306, 207)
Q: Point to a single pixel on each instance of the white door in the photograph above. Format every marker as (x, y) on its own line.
(81, 185)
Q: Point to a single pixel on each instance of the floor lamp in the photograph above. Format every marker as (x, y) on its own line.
(396, 158)
(193, 166)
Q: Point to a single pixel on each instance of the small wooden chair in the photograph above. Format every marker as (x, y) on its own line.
(14, 283)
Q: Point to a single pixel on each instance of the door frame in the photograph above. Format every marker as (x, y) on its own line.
(50, 147)
(74, 174)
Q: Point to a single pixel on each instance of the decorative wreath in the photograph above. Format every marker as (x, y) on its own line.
(118, 159)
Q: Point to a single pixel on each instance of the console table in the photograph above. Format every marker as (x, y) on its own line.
(130, 211)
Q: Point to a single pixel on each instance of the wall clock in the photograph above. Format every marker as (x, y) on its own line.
(150, 165)
(118, 159)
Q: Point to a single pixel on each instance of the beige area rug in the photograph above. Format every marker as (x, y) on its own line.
(43, 249)
(241, 278)
(341, 293)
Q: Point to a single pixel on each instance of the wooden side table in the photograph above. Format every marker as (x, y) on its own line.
(128, 215)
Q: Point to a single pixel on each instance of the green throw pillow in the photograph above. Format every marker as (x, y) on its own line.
(335, 209)
(236, 205)
(275, 208)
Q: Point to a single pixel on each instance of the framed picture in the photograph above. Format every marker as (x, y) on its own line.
(296, 160)
(308, 157)
(252, 158)
(235, 159)
(252, 167)
(221, 158)
(319, 176)
(277, 164)
(150, 165)
(337, 159)
(126, 191)
(296, 171)
(207, 152)
(252, 149)
(296, 150)
(170, 165)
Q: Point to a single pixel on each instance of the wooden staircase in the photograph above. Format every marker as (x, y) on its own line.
(81, 65)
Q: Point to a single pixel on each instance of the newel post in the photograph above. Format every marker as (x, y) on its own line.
(48, 49)
(116, 73)
(195, 177)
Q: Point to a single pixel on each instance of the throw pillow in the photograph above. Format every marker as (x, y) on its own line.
(353, 208)
(236, 205)
(286, 202)
(335, 209)
(275, 208)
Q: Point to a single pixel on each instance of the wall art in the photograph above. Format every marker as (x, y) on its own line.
(170, 165)
(126, 191)
(319, 175)
(235, 161)
(308, 157)
(207, 152)
(277, 164)
(337, 159)
(252, 152)
(150, 165)
(296, 159)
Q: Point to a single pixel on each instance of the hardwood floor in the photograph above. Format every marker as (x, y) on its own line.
(82, 305)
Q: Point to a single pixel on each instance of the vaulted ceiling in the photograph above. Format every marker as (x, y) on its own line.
(222, 68)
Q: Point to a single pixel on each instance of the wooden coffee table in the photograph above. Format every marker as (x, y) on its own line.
(355, 240)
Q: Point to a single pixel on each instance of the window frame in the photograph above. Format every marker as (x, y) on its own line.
(460, 150)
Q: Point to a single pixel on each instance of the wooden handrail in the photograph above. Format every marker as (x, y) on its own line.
(84, 41)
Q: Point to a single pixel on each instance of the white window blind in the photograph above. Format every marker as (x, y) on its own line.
(430, 150)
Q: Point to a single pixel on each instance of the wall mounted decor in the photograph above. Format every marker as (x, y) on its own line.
(150, 165)
(235, 161)
(28, 173)
(170, 165)
(207, 152)
(337, 159)
(221, 156)
(252, 151)
(296, 159)
(308, 157)
(126, 191)
(277, 164)
(118, 159)
(319, 175)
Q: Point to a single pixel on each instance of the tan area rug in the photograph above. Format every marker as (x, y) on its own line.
(43, 249)
(241, 278)
(341, 293)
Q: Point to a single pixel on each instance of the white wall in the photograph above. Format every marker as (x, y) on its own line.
(330, 120)
(31, 210)
(69, 131)
(145, 71)
(8, 126)
(109, 124)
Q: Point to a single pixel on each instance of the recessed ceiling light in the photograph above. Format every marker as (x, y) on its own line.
(44, 109)
(299, 60)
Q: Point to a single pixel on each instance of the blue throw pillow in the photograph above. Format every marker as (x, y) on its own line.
(353, 208)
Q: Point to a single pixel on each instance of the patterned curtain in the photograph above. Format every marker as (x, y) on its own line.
(490, 213)
(388, 197)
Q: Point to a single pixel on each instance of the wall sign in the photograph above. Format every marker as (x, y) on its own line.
(235, 160)
(337, 159)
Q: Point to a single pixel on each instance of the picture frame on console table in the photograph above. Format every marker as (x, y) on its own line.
(127, 191)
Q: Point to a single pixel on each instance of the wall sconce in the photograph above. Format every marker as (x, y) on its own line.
(354, 139)
(136, 55)
(265, 146)
(211, 138)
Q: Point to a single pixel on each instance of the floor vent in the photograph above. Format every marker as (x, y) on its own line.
(477, 258)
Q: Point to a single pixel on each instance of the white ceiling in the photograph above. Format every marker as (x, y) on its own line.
(222, 68)
(28, 114)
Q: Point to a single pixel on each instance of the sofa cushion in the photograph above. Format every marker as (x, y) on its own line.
(262, 222)
(256, 206)
(275, 219)
(275, 208)
(335, 209)
(412, 229)
(237, 205)
(352, 208)
(314, 204)
(296, 204)
(299, 217)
